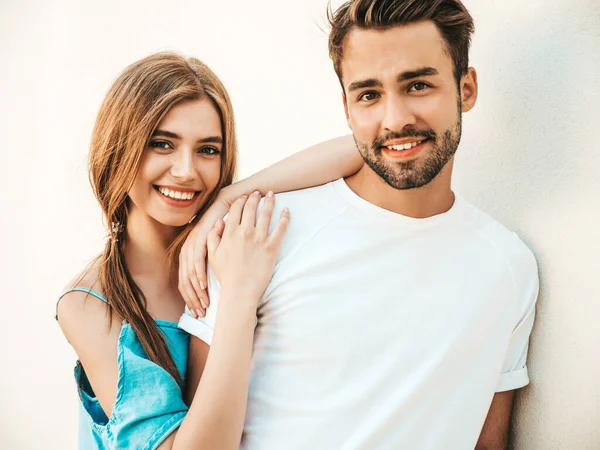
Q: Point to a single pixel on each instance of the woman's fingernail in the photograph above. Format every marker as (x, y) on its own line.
(270, 194)
(202, 286)
(203, 303)
(256, 193)
(200, 313)
(194, 313)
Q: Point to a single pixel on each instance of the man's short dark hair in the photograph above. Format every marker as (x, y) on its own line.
(451, 17)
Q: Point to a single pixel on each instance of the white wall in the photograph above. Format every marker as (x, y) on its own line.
(528, 157)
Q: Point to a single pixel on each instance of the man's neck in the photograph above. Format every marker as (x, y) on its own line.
(427, 201)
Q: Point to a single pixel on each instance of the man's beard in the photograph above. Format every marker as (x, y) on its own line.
(417, 172)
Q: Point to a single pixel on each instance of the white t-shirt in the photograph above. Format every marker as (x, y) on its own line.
(380, 331)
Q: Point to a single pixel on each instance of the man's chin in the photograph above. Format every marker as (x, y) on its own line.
(406, 184)
(404, 175)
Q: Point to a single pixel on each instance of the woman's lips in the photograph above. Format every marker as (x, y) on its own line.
(167, 196)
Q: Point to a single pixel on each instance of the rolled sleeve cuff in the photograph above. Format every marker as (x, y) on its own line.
(196, 327)
(513, 380)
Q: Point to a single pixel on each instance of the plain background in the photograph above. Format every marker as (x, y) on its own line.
(529, 157)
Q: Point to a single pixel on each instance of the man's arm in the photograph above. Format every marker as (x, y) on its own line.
(494, 435)
(514, 373)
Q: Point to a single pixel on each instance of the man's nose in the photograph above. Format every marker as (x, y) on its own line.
(397, 114)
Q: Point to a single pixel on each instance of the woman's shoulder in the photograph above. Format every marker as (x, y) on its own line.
(82, 310)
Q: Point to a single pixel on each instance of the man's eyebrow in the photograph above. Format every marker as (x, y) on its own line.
(408, 75)
(362, 84)
(422, 72)
(170, 134)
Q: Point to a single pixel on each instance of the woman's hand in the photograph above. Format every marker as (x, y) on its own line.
(241, 252)
(192, 259)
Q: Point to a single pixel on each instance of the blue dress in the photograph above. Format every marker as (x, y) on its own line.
(149, 404)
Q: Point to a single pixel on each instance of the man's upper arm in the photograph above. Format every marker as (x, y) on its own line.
(494, 435)
(514, 369)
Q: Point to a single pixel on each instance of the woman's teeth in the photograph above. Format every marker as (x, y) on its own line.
(406, 146)
(176, 194)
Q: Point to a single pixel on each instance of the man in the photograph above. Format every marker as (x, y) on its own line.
(399, 315)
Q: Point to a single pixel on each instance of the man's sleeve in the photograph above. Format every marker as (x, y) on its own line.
(203, 327)
(514, 370)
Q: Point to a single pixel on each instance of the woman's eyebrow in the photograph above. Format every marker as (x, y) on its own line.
(170, 134)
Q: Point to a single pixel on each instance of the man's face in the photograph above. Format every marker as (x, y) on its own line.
(402, 101)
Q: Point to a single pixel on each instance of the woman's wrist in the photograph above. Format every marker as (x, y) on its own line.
(240, 313)
(249, 293)
(227, 195)
(231, 193)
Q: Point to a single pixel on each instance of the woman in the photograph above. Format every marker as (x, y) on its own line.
(162, 149)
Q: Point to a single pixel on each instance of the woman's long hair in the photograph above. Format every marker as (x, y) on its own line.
(134, 106)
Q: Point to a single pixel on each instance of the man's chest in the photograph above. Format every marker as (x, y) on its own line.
(377, 294)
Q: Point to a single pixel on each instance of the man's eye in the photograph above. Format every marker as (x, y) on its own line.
(209, 150)
(419, 86)
(160, 144)
(367, 96)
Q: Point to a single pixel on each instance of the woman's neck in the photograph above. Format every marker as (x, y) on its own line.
(146, 244)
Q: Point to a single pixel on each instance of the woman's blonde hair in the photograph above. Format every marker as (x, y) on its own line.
(132, 109)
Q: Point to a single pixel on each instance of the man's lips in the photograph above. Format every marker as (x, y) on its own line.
(403, 144)
(404, 150)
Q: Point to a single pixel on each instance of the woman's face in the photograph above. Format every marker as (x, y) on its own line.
(181, 165)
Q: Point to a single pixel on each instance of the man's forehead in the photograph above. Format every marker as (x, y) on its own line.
(374, 53)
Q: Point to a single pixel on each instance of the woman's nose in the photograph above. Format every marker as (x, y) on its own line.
(183, 165)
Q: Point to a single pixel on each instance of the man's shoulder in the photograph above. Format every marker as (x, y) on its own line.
(310, 207)
(311, 210)
(504, 242)
(323, 195)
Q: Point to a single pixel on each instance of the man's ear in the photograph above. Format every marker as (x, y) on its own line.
(346, 109)
(469, 90)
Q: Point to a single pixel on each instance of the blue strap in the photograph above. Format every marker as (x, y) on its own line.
(87, 290)
(81, 289)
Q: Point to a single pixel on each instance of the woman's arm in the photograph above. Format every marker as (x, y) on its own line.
(316, 165)
(218, 401)
(216, 415)
(86, 324)
(313, 166)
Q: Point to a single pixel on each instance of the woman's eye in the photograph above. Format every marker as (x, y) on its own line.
(419, 86)
(368, 96)
(209, 150)
(160, 144)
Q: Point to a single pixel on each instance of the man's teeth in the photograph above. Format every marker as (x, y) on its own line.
(176, 194)
(406, 146)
